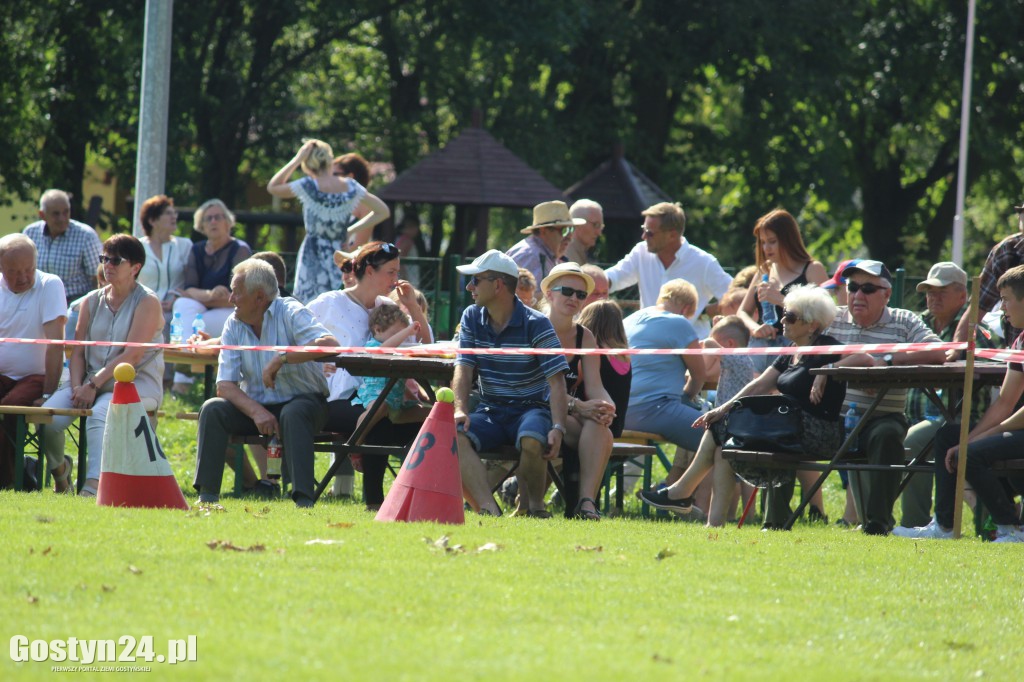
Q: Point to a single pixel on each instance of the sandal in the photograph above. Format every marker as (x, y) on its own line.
(63, 481)
(538, 514)
(87, 490)
(586, 514)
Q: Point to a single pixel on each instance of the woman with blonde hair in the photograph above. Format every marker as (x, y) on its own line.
(207, 278)
(328, 202)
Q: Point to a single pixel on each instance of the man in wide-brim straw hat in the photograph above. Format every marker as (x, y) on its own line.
(541, 250)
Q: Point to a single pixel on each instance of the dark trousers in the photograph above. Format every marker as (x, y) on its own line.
(990, 488)
(882, 442)
(342, 416)
(23, 392)
(299, 419)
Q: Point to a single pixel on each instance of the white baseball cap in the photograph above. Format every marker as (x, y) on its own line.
(491, 261)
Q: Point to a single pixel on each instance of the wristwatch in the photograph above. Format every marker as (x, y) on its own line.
(92, 382)
(558, 427)
(888, 359)
(283, 354)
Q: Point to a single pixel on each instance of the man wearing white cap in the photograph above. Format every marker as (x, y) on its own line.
(868, 319)
(945, 293)
(541, 249)
(523, 398)
(663, 255)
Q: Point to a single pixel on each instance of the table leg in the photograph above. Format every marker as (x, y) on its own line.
(805, 496)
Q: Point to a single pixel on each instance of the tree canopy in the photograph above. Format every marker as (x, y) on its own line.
(847, 114)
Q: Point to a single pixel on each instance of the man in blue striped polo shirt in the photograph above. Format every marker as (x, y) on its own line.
(522, 397)
(262, 391)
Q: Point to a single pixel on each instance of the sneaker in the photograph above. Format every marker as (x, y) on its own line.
(933, 531)
(659, 499)
(1009, 534)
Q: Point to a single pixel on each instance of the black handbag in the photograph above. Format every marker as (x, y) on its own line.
(768, 423)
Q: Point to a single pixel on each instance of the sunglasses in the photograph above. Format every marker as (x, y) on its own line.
(647, 233)
(569, 292)
(385, 253)
(347, 266)
(212, 217)
(113, 260)
(867, 289)
(790, 317)
(476, 279)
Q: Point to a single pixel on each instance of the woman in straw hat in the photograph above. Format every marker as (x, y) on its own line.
(591, 410)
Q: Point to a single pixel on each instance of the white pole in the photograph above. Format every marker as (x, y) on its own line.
(965, 126)
(151, 159)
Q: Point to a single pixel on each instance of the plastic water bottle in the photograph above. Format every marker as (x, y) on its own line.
(65, 375)
(768, 315)
(274, 453)
(198, 324)
(850, 423)
(177, 329)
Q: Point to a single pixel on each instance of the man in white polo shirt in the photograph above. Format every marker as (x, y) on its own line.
(32, 306)
(867, 318)
(664, 255)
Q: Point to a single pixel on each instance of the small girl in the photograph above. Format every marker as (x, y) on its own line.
(390, 326)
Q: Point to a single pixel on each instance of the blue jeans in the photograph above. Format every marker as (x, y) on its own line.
(668, 417)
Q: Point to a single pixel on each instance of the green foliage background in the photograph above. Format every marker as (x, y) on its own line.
(847, 114)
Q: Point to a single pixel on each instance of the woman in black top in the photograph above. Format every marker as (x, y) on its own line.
(808, 313)
(587, 426)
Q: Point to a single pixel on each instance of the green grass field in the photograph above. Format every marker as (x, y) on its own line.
(330, 593)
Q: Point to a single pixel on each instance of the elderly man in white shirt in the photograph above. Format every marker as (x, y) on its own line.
(664, 255)
(262, 391)
(32, 306)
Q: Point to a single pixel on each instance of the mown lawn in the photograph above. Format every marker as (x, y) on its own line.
(272, 591)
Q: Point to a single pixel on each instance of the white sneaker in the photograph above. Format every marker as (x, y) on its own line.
(1009, 534)
(933, 531)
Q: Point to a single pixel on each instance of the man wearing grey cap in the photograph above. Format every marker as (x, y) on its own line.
(523, 399)
(867, 318)
(945, 292)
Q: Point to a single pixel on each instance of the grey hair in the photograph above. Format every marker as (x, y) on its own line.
(259, 276)
(197, 218)
(595, 271)
(811, 304)
(13, 242)
(583, 205)
(51, 194)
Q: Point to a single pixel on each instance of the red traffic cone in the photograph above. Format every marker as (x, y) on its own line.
(429, 485)
(134, 471)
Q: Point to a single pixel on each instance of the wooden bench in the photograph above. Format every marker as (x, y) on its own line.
(791, 462)
(639, 447)
(22, 437)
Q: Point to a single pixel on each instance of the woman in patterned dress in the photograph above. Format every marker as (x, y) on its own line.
(328, 202)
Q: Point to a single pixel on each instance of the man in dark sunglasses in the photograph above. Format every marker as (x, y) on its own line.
(523, 400)
(867, 318)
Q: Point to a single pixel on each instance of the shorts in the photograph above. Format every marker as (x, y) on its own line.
(492, 426)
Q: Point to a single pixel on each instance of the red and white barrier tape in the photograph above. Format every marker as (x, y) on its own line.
(435, 349)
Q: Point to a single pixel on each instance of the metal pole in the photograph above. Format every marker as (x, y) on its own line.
(965, 126)
(151, 159)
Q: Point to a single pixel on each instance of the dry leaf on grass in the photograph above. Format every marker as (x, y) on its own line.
(227, 545)
(107, 588)
(32, 599)
(135, 569)
(259, 514)
(44, 519)
(664, 554)
(321, 541)
(206, 509)
(47, 551)
(442, 543)
(489, 547)
(589, 548)
(340, 524)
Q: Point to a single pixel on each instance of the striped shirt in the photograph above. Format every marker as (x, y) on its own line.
(894, 326)
(511, 379)
(285, 323)
(73, 256)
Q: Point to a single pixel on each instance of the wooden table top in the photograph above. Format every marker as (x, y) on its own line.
(917, 376)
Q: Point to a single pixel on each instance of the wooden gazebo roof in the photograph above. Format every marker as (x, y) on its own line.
(619, 186)
(473, 169)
